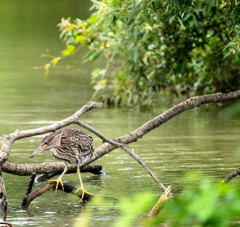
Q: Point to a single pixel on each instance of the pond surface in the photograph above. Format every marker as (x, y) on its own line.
(198, 141)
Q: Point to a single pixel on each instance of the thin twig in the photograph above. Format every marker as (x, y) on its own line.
(231, 176)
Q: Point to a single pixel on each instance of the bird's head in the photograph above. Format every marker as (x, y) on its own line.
(49, 142)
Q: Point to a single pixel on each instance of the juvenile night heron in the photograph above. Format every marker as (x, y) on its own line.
(70, 145)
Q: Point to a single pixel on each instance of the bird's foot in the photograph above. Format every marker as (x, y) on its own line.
(83, 193)
(57, 183)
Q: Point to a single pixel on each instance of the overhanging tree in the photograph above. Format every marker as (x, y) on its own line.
(187, 47)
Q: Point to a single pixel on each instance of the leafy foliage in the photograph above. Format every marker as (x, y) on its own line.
(183, 46)
(206, 204)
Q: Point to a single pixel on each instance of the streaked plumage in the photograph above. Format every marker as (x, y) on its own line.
(70, 145)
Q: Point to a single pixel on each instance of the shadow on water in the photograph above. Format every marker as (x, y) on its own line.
(196, 141)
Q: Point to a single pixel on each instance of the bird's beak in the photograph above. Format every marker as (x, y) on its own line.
(39, 149)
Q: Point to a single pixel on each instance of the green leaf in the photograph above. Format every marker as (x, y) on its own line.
(68, 51)
(233, 42)
(46, 68)
(92, 19)
(109, 19)
(69, 27)
(80, 39)
(55, 61)
(181, 23)
(172, 19)
(92, 55)
(135, 54)
(151, 46)
(136, 10)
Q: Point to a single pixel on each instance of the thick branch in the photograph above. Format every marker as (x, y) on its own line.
(46, 167)
(95, 169)
(3, 199)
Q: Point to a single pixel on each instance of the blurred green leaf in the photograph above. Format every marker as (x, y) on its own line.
(55, 60)
(92, 55)
(69, 50)
(80, 39)
(231, 111)
(132, 208)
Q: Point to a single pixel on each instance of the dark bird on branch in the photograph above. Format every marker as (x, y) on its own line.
(70, 145)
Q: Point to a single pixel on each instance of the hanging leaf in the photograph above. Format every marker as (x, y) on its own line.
(46, 68)
(68, 51)
(55, 61)
(80, 39)
(172, 19)
(92, 55)
(69, 27)
(181, 23)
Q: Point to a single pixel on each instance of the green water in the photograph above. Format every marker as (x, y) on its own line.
(196, 141)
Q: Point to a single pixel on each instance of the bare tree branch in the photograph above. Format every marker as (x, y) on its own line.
(29, 189)
(3, 199)
(158, 206)
(8, 140)
(231, 176)
(51, 186)
(46, 167)
(3, 203)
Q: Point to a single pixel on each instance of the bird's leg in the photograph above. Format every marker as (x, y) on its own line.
(82, 188)
(59, 180)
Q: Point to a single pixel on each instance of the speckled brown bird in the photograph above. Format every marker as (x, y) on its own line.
(70, 145)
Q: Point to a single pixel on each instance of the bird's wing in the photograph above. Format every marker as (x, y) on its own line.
(77, 141)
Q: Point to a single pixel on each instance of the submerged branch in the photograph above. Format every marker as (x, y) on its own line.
(52, 186)
(29, 189)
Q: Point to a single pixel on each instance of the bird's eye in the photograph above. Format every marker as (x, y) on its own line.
(46, 143)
